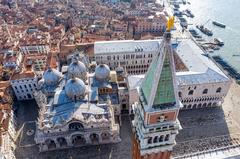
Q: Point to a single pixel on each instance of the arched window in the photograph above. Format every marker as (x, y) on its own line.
(205, 91)
(195, 106)
(199, 105)
(150, 140)
(161, 138)
(167, 137)
(180, 94)
(161, 118)
(219, 90)
(75, 126)
(190, 92)
(155, 140)
(204, 104)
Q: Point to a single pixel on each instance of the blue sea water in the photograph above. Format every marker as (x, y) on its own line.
(224, 11)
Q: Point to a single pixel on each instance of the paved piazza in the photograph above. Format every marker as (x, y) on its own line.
(210, 130)
(27, 149)
(204, 130)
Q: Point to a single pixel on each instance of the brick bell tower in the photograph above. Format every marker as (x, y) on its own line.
(155, 123)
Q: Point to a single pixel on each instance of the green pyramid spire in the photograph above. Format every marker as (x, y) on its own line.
(158, 86)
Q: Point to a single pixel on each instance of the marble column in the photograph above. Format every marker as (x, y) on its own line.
(69, 141)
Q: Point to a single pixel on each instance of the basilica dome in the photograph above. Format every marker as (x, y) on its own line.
(51, 76)
(77, 69)
(102, 72)
(75, 88)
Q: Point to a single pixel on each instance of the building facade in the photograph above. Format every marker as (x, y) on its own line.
(154, 25)
(155, 123)
(24, 84)
(12, 59)
(7, 121)
(201, 83)
(77, 108)
(134, 56)
(35, 49)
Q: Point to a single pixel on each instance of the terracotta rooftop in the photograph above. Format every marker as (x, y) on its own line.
(5, 107)
(22, 75)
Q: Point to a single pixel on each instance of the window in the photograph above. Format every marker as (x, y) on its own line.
(199, 105)
(161, 118)
(205, 91)
(75, 126)
(219, 90)
(165, 127)
(180, 94)
(190, 92)
(167, 137)
(150, 140)
(155, 140)
(161, 138)
(151, 130)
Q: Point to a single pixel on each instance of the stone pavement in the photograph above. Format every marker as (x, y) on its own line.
(122, 150)
(210, 129)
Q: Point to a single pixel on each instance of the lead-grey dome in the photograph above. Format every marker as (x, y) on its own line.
(75, 88)
(77, 69)
(102, 72)
(51, 76)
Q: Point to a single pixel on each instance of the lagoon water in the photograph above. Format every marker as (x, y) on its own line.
(224, 11)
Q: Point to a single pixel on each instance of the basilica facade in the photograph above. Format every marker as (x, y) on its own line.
(77, 108)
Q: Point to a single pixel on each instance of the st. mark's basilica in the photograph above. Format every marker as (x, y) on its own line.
(78, 107)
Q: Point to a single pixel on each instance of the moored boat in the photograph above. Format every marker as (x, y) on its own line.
(219, 24)
(189, 13)
(218, 41)
(205, 30)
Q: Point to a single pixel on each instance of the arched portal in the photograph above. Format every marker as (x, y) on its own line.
(78, 140)
(94, 138)
(62, 142)
(50, 144)
(105, 136)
